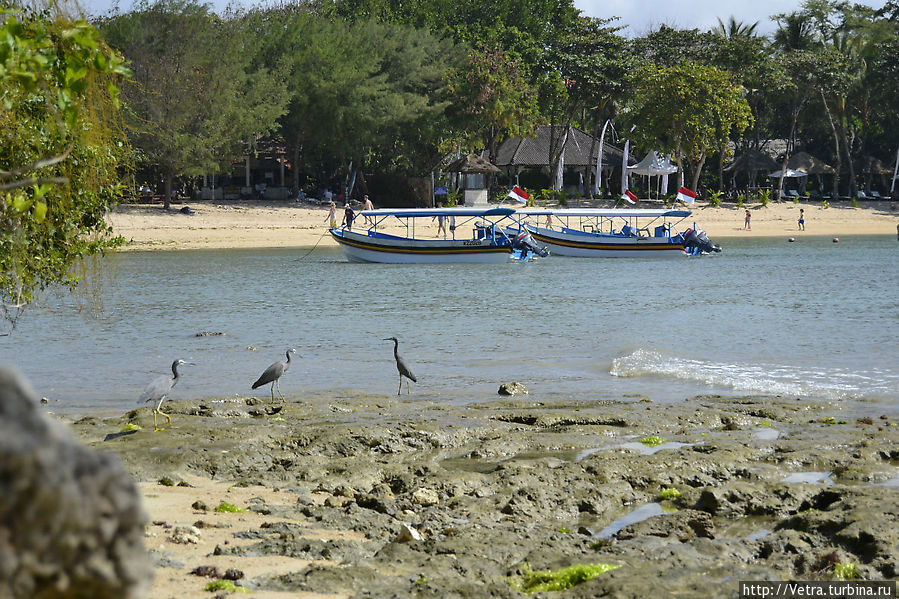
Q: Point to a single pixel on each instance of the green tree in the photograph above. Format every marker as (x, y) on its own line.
(61, 146)
(686, 110)
(667, 46)
(360, 92)
(587, 67)
(194, 102)
(492, 100)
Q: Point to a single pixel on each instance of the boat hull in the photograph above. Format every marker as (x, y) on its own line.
(591, 245)
(362, 247)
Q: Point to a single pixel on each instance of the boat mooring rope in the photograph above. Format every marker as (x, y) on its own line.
(303, 257)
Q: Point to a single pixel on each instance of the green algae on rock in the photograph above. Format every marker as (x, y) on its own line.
(561, 579)
(652, 441)
(225, 507)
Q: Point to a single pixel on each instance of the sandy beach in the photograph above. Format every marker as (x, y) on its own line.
(269, 224)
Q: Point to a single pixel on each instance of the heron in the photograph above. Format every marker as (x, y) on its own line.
(401, 366)
(158, 390)
(273, 373)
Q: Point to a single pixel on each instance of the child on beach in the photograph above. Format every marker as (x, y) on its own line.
(441, 221)
(747, 223)
(801, 219)
(332, 215)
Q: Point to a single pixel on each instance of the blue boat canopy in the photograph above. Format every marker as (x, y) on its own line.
(606, 212)
(426, 212)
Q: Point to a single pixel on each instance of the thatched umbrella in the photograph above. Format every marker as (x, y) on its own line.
(873, 167)
(806, 163)
(753, 160)
(474, 165)
(876, 167)
(470, 164)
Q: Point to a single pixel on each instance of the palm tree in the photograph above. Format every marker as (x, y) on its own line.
(795, 32)
(734, 29)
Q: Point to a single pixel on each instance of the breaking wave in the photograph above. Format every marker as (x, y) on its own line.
(767, 379)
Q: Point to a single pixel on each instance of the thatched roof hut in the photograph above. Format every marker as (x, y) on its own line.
(534, 152)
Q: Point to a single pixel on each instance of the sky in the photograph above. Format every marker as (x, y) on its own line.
(639, 16)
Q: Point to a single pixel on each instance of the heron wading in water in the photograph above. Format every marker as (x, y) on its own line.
(402, 366)
(273, 373)
(158, 390)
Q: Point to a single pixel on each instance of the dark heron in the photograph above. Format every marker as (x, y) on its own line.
(273, 373)
(158, 390)
(401, 366)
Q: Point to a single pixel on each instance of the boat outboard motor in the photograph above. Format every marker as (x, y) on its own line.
(696, 241)
(524, 243)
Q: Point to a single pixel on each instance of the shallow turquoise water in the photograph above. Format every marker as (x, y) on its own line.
(807, 319)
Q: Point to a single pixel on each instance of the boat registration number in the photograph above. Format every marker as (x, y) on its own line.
(472, 242)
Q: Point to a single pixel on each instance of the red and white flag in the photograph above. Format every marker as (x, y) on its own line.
(517, 193)
(686, 196)
(629, 196)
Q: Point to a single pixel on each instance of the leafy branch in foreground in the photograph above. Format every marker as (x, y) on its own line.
(61, 147)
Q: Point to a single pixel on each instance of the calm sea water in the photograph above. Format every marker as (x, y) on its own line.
(808, 319)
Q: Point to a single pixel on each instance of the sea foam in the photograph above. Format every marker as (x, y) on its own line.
(762, 378)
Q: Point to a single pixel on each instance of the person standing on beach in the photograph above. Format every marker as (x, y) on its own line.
(801, 219)
(367, 205)
(747, 224)
(441, 221)
(332, 215)
(348, 216)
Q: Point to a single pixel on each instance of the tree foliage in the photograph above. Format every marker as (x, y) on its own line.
(194, 102)
(491, 100)
(391, 85)
(687, 110)
(61, 150)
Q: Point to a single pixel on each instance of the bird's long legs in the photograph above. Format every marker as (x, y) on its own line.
(275, 383)
(156, 412)
(399, 389)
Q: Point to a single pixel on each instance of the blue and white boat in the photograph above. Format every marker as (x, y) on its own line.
(473, 235)
(601, 233)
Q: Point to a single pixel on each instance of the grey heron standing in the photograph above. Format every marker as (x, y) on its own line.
(401, 366)
(273, 373)
(158, 390)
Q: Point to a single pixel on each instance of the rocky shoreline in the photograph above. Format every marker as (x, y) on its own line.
(377, 497)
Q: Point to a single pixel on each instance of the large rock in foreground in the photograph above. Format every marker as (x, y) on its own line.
(71, 522)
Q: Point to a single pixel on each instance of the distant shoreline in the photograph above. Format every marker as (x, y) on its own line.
(249, 224)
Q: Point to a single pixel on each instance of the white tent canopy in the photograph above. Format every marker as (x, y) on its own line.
(789, 174)
(653, 165)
